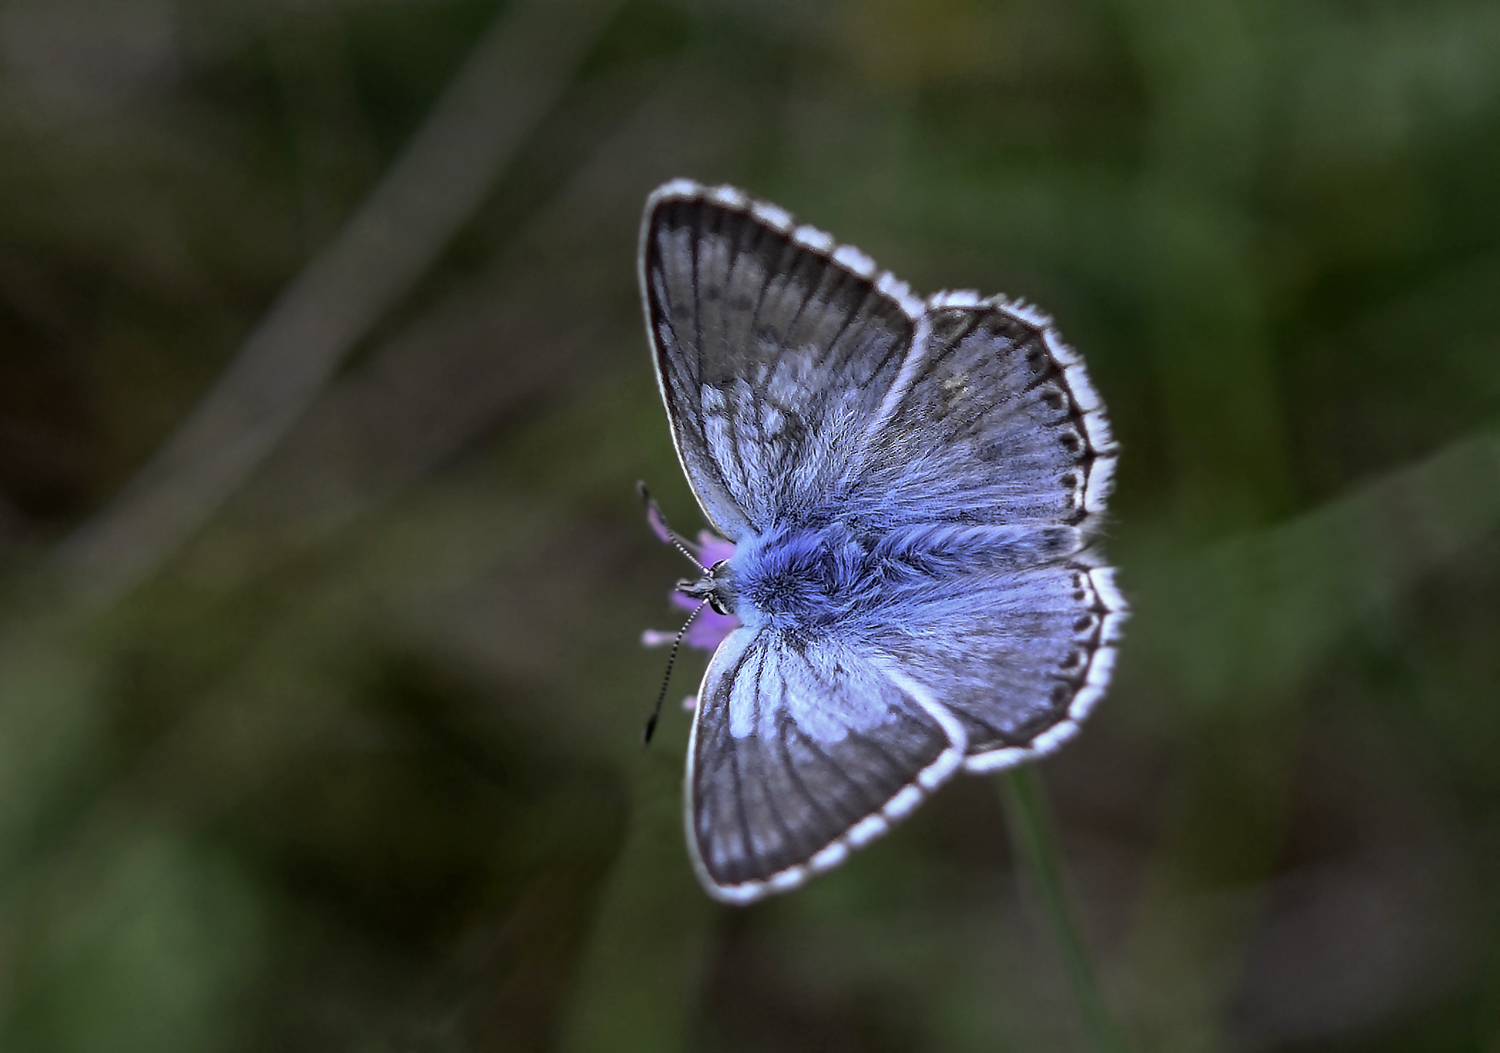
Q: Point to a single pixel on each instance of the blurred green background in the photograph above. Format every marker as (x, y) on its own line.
(323, 389)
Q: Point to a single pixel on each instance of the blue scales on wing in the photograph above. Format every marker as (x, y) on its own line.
(992, 420)
(993, 431)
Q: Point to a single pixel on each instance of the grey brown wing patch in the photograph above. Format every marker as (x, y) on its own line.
(774, 345)
(801, 755)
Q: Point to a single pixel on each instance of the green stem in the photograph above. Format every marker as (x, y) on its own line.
(1036, 845)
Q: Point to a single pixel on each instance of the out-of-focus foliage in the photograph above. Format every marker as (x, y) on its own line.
(321, 733)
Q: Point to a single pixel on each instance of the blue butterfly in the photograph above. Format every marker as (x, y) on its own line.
(913, 490)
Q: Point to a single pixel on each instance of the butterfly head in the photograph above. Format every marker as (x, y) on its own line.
(716, 586)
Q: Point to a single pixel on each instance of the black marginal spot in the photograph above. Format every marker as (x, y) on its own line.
(1075, 438)
(1049, 376)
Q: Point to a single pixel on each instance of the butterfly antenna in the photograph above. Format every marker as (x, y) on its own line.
(654, 513)
(671, 660)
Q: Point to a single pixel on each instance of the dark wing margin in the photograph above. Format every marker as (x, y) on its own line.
(801, 754)
(774, 348)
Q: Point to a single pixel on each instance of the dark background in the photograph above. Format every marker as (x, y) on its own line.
(322, 576)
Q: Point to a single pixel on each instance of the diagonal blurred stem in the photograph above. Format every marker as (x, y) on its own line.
(512, 77)
(1031, 831)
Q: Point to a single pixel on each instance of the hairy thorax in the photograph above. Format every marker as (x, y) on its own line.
(799, 578)
(803, 578)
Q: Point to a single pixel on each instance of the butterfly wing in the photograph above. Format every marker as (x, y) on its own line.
(774, 349)
(994, 427)
(801, 751)
(1019, 658)
(992, 420)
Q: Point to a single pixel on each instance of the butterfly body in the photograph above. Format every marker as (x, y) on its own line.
(914, 491)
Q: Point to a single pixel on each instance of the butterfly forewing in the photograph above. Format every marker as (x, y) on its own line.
(771, 353)
(989, 429)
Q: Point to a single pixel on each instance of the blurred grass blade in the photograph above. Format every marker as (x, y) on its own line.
(1240, 622)
(504, 89)
(1031, 832)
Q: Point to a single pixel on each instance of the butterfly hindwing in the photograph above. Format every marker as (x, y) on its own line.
(801, 751)
(1019, 658)
(773, 349)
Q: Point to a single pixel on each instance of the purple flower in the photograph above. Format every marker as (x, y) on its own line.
(709, 628)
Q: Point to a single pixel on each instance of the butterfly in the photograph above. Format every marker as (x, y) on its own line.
(913, 489)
